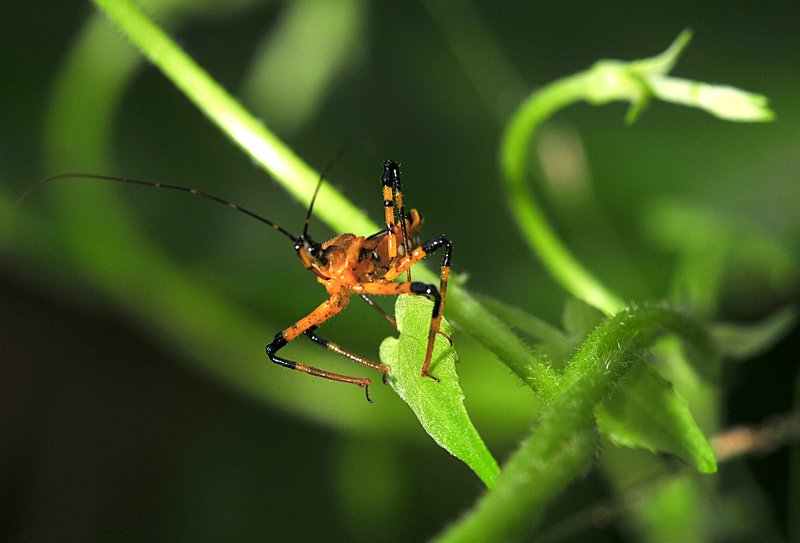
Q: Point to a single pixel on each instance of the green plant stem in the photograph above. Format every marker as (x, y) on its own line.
(288, 169)
(562, 444)
(607, 80)
(471, 316)
(541, 236)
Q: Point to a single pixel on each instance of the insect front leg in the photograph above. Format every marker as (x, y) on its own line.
(323, 312)
(390, 177)
(393, 197)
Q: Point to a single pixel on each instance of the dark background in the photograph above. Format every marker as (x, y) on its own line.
(118, 424)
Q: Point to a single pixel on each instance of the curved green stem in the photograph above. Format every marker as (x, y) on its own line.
(608, 80)
(541, 236)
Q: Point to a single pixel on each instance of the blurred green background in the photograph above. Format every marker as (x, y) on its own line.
(137, 402)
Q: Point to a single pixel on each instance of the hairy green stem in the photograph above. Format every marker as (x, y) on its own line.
(562, 444)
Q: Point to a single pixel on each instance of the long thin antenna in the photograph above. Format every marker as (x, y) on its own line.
(328, 167)
(158, 185)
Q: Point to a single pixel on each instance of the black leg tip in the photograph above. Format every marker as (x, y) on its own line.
(366, 391)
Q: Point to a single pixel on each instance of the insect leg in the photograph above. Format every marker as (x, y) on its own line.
(313, 336)
(391, 184)
(311, 333)
(438, 296)
(391, 176)
(378, 308)
(323, 312)
(420, 289)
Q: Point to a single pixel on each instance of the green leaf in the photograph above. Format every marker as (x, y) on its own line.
(646, 412)
(579, 318)
(438, 406)
(743, 341)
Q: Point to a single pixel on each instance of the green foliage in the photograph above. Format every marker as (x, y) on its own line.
(600, 376)
(563, 441)
(608, 80)
(739, 341)
(647, 412)
(438, 406)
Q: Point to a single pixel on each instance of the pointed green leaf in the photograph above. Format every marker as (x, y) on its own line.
(743, 341)
(579, 318)
(646, 412)
(663, 62)
(438, 406)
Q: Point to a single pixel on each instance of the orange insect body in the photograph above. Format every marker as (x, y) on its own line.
(346, 265)
(353, 260)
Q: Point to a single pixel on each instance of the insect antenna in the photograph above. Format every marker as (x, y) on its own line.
(325, 171)
(311, 205)
(155, 184)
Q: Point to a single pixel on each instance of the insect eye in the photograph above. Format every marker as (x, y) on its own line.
(316, 251)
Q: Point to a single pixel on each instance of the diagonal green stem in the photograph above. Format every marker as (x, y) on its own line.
(266, 149)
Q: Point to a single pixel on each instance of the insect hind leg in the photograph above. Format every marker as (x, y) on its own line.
(331, 346)
(322, 313)
(434, 294)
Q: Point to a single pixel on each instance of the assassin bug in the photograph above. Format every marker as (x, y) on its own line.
(347, 264)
